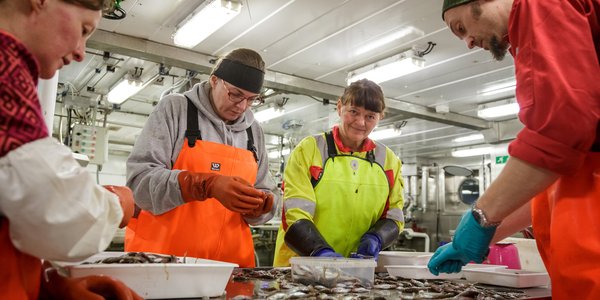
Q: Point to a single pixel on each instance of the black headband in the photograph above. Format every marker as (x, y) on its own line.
(240, 75)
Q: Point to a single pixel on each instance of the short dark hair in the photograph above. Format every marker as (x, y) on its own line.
(364, 93)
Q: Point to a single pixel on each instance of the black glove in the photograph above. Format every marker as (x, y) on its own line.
(304, 238)
(385, 232)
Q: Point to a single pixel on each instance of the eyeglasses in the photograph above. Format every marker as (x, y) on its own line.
(237, 98)
(361, 113)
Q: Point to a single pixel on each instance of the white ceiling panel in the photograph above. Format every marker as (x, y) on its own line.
(309, 47)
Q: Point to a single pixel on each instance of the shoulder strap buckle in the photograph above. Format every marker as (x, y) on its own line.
(192, 133)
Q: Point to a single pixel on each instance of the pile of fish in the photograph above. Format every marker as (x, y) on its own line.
(137, 258)
(328, 276)
(385, 286)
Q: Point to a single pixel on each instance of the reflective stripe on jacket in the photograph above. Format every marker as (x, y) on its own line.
(346, 198)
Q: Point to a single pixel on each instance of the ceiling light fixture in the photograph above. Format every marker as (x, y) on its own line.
(469, 138)
(498, 109)
(385, 134)
(392, 67)
(129, 86)
(472, 152)
(403, 32)
(125, 89)
(211, 16)
(390, 132)
(268, 114)
(507, 86)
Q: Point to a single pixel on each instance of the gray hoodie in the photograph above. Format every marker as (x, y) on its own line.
(149, 167)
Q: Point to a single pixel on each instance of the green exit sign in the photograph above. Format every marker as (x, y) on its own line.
(501, 159)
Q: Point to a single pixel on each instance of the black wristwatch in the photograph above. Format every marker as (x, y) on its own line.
(480, 217)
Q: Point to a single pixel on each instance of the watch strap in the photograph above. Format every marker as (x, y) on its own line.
(480, 217)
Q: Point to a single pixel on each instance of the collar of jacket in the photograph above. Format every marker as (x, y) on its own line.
(368, 144)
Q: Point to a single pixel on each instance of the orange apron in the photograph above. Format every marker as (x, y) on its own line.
(566, 223)
(20, 275)
(204, 229)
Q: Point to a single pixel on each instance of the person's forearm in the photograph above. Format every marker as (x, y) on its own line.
(516, 185)
(517, 221)
(56, 209)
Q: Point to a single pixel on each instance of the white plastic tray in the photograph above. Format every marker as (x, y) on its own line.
(194, 278)
(508, 277)
(487, 267)
(402, 258)
(418, 272)
(471, 266)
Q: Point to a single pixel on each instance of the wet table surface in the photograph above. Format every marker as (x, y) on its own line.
(246, 284)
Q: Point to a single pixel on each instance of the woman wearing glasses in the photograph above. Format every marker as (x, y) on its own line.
(199, 169)
(343, 191)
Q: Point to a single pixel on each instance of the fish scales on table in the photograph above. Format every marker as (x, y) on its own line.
(384, 287)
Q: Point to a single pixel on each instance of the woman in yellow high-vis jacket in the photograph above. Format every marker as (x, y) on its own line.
(343, 191)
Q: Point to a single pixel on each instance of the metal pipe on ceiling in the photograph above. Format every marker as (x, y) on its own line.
(191, 60)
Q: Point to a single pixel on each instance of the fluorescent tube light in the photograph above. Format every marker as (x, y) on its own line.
(469, 138)
(499, 88)
(389, 38)
(389, 68)
(125, 89)
(205, 22)
(506, 109)
(472, 152)
(385, 134)
(268, 114)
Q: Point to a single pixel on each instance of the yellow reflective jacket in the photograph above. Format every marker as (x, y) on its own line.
(343, 193)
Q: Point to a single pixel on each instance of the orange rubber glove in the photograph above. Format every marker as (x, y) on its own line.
(95, 287)
(233, 192)
(264, 208)
(125, 199)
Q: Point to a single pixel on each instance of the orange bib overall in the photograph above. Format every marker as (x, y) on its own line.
(566, 223)
(204, 229)
(20, 275)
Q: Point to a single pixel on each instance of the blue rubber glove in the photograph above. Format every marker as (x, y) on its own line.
(452, 260)
(471, 243)
(326, 252)
(369, 245)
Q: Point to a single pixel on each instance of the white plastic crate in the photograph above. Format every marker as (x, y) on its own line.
(194, 278)
(508, 277)
(402, 258)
